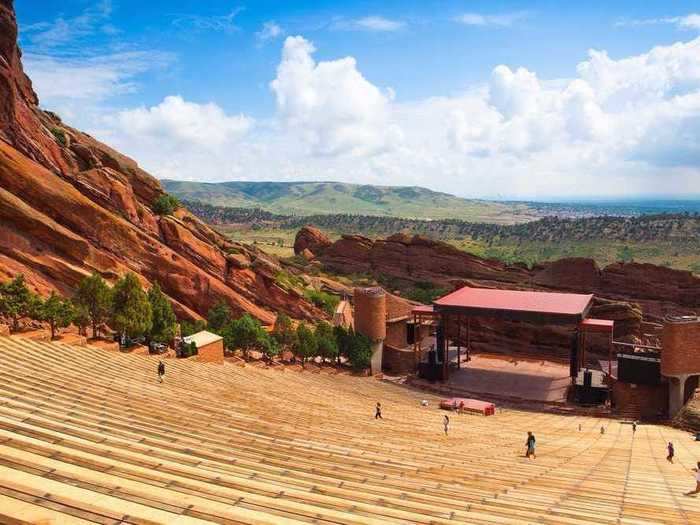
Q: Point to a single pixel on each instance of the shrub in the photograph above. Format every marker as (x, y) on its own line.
(326, 301)
(268, 346)
(60, 136)
(187, 349)
(188, 328)
(165, 204)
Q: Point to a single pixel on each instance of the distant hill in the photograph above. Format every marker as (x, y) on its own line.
(318, 198)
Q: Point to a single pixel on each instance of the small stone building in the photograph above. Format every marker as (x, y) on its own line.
(210, 347)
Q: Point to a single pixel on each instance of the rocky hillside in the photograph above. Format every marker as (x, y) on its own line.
(636, 296)
(70, 205)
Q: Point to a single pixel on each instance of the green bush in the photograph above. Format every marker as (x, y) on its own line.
(56, 311)
(60, 136)
(218, 317)
(283, 331)
(305, 346)
(18, 301)
(359, 351)
(131, 310)
(163, 318)
(165, 204)
(323, 300)
(327, 346)
(244, 333)
(188, 328)
(93, 300)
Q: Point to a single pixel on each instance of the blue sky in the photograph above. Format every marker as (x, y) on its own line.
(476, 98)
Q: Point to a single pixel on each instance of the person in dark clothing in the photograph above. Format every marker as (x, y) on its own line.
(671, 452)
(634, 427)
(161, 371)
(446, 423)
(530, 444)
(378, 411)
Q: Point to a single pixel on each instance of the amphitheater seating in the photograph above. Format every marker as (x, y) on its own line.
(90, 436)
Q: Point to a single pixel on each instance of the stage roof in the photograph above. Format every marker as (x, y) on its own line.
(516, 305)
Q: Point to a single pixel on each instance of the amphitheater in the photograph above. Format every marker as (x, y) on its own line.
(90, 436)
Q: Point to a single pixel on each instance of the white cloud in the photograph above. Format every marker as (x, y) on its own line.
(68, 31)
(184, 123)
(373, 23)
(620, 126)
(501, 20)
(690, 21)
(225, 23)
(330, 104)
(270, 30)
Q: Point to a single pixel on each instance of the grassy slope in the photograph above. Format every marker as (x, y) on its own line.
(308, 198)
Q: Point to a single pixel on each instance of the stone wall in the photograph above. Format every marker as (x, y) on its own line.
(681, 348)
(398, 361)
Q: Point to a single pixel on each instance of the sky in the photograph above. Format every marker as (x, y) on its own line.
(491, 99)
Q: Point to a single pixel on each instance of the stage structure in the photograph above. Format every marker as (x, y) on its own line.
(461, 306)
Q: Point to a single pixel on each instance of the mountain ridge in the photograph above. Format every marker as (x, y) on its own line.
(327, 197)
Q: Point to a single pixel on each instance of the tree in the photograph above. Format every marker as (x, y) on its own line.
(163, 318)
(342, 340)
(283, 331)
(325, 341)
(131, 311)
(359, 351)
(218, 317)
(17, 301)
(305, 344)
(244, 333)
(268, 346)
(56, 311)
(81, 318)
(94, 298)
(192, 327)
(165, 204)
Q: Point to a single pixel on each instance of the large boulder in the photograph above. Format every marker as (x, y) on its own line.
(311, 239)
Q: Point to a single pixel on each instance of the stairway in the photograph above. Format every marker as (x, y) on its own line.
(90, 436)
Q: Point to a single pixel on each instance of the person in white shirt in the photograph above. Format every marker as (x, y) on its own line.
(697, 481)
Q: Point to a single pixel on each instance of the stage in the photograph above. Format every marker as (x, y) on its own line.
(512, 377)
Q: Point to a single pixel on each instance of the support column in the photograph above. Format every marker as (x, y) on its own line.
(676, 391)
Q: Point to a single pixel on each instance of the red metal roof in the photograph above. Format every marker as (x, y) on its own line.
(566, 304)
(423, 309)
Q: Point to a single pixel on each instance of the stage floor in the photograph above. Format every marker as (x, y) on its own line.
(516, 377)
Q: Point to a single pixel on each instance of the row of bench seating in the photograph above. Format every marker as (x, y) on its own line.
(91, 436)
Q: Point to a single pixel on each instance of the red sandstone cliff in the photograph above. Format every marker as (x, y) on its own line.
(70, 205)
(631, 293)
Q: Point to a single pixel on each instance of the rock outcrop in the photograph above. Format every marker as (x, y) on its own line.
(634, 295)
(310, 239)
(70, 205)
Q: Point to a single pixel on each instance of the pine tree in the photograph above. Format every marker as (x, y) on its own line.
(218, 317)
(163, 318)
(131, 311)
(244, 333)
(305, 344)
(282, 331)
(56, 311)
(94, 298)
(17, 301)
(325, 341)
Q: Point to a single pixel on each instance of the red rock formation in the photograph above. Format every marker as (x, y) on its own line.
(311, 239)
(70, 205)
(628, 293)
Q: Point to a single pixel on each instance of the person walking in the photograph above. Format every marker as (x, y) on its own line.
(697, 481)
(671, 452)
(378, 411)
(461, 407)
(530, 444)
(446, 423)
(634, 427)
(602, 430)
(161, 371)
